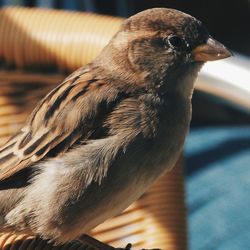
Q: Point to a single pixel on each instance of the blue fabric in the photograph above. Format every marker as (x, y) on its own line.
(218, 188)
(11, 2)
(45, 3)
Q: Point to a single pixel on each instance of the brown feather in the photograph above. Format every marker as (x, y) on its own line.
(53, 127)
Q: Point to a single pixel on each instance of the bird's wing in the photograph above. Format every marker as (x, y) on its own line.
(71, 112)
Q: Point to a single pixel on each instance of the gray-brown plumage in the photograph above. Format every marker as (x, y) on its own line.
(96, 142)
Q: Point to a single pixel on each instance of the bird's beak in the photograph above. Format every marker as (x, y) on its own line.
(210, 51)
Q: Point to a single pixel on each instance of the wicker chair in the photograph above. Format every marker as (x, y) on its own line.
(38, 47)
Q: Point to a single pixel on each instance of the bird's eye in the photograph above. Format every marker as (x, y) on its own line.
(176, 42)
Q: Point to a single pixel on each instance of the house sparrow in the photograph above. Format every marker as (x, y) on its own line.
(97, 141)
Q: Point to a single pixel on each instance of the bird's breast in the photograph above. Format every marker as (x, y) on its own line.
(160, 152)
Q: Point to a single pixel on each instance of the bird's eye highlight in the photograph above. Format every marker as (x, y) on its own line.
(176, 42)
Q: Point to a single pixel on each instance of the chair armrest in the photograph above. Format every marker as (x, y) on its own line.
(51, 38)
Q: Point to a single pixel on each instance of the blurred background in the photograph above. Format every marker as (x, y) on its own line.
(227, 20)
(217, 150)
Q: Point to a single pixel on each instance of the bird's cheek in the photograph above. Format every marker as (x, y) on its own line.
(186, 58)
(178, 58)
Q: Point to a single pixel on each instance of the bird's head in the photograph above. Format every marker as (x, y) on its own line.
(163, 44)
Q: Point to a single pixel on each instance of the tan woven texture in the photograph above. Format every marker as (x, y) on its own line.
(25, 242)
(38, 39)
(63, 39)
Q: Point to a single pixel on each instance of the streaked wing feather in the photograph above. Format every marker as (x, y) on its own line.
(53, 123)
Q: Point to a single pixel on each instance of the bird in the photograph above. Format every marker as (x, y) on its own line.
(98, 140)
